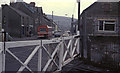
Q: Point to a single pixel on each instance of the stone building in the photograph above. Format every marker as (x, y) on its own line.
(15, 22)
(29, 17)
(100, 31)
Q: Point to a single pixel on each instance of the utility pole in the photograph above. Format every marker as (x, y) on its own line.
(52, 15)
(72, 24)
(80, 44)
(52, 22)
(78, 15)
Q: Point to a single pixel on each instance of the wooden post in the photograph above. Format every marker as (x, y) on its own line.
(40, 57)
(61, 55)
(4, 50)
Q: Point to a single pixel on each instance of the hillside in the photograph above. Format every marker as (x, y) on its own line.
(64, 23)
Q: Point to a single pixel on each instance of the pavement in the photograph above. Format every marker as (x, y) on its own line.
(24, 38)
(78, 65)
(32, 38)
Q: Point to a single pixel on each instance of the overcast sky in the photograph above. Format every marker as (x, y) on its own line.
(60, 7)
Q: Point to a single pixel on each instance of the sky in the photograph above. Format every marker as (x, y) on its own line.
(59, 7)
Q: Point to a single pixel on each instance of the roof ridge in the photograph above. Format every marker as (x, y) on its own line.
(18, 11)
(28, 7)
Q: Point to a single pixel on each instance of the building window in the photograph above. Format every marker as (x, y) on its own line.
(100, 25)
(106, 25)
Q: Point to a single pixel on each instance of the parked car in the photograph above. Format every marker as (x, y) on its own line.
(57, 33)
(66, 34)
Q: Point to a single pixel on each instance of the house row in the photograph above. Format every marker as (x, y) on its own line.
(21, 19)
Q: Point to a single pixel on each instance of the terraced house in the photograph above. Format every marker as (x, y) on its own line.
(21, 19)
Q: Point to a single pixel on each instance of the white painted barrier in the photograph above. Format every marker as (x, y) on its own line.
(64, 51)
(2, 57)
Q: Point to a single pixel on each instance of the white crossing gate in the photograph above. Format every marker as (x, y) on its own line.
(38, 55)
(2, 57)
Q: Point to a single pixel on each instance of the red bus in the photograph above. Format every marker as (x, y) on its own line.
(44, 31)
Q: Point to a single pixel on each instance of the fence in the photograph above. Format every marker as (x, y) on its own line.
(2, 52)
(38, 55)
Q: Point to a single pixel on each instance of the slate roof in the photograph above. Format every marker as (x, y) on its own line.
(99, 7)
(27, 7)
(18, 11)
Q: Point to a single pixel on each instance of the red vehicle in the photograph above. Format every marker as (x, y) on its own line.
(44, 31)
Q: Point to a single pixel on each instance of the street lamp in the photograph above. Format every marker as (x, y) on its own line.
(52, 15)
(66, 14)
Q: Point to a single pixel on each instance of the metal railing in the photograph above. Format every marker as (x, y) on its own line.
(38, 55)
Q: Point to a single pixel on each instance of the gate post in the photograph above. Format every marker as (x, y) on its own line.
(40, 57)
(2, 52)
(78, 46)
(61, 55)
(2, 66)
(71, 48)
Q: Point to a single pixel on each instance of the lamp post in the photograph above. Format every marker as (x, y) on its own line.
(66, 20)
(72, 29)
(53, 22)
(52, 15)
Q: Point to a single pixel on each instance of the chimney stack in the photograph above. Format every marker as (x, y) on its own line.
(19, 1)
(12, 1)
(32, 4)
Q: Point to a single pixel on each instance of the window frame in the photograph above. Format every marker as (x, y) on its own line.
(105, 23)
(43, 30)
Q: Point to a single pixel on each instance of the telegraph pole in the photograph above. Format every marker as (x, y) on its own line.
(52, 21)
(52, 15)
(72, 20)
(78, 15)
(81, 48)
